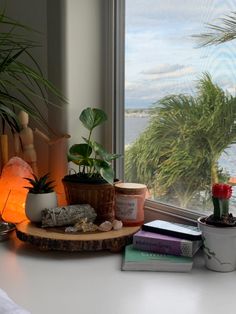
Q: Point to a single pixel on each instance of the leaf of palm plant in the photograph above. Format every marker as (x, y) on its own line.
(219, 34)
(27, 81)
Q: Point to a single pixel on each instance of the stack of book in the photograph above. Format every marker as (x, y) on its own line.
(162, 246)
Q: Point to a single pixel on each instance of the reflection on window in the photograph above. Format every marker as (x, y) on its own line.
(180, 103)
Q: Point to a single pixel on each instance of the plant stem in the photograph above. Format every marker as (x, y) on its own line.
(217, 208)
(214, 175)
(225, 206)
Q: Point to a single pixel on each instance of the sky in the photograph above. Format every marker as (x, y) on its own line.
(161, 54)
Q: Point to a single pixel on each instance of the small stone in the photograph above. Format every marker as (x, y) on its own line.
(71, 229)
(82, 225)
(89, 227)
(105, 226)
(117, 224)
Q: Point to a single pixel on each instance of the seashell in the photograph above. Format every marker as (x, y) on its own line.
(105, 226)
(117, 224)
(67, 215)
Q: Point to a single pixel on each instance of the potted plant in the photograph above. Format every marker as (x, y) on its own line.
(93, 183)
(40, 196)
(23, 85)
(219, 231)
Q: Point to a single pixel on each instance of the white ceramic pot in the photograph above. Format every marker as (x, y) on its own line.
(35, 203)
(219, 246)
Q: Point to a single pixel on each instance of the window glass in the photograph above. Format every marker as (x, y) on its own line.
(180, 100)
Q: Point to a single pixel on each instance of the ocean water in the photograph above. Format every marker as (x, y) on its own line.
(134, 126)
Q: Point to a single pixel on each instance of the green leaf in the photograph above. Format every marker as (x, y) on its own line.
(100, 150)
(78, 160)
(22, 78)
(84, 150)
(108, 174)
(105, 170)
(92, 117)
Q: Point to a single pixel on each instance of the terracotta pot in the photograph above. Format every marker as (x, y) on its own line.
(219, 246)
(100, 196)
(35, 203)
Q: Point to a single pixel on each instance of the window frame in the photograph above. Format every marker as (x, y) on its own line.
(114, 81)
(115, 107)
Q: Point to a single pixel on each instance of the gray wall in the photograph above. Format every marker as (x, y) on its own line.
(33, 13)
(73, 58)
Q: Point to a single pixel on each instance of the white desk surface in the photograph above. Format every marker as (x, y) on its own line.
(92, 283)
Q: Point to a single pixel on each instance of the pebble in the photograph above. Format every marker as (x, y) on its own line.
(105, 226)
(117, 224)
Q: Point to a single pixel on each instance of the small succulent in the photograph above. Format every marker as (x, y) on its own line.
(40, 185)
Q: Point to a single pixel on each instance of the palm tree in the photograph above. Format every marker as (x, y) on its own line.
(219, 34)
(178, 152)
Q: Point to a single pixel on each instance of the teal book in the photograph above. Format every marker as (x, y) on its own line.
(134, 259)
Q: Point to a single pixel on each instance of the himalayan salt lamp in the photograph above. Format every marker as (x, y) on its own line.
(12, 191)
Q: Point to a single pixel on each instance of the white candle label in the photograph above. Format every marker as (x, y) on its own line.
(126, 207)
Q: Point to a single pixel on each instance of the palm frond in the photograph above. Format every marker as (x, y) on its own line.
(183, 142)
(22, 86)
(219, 34)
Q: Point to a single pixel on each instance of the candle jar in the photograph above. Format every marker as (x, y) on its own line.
(129, 203)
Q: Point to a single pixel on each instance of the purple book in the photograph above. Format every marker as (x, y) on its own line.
(159, 243)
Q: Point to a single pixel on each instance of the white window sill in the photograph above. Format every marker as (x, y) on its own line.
(92, 283)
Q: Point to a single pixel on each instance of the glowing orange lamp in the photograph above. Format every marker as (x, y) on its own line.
(12, 191)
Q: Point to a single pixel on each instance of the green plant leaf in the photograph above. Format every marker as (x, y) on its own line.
(84, 150)
(22, 84)
(105, 170)
(108, 174)
(92, 117)
(78, 160)
(100, 150)
(40, 185)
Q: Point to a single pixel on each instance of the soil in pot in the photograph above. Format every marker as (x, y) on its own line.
(226, 221)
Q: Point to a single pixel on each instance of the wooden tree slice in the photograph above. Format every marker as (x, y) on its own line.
(57, 239)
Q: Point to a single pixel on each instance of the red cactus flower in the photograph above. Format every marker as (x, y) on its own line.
(222, 191)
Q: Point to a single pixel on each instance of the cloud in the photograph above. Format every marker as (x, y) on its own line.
(160, 55)
(164, 68)
(152, 12)
(144, 93)
(168, 71)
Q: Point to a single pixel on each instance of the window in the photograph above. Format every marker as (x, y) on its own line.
(179, 102)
